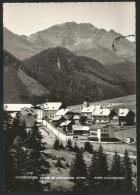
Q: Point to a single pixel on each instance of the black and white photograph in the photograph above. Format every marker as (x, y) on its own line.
(69, 112)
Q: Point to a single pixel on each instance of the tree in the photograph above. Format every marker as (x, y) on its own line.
(79, 172)
(37, 163)
(69, 145)
(88, 147)
(59, 164)
(127, 172)
(92, 172)
(101, 171)
(116, 171)
(82, 120)
(61, 146)
(76, 148)
(56, 145)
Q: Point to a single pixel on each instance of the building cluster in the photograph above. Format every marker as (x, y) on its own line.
(95, 121)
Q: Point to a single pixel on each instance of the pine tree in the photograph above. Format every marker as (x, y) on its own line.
(127, 172)
(116, 171)
(88, 147)
(92, 172)
(59, 164)
(102, 171)
(69, 145)
(76, 148)
(78, 170)
(56, 145)
(37, 164)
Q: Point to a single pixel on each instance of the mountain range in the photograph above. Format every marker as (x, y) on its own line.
(82, 39)
(66, 63)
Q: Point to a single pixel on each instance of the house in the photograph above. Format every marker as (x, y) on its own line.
(103, 115)
(101, 132)
(62, 112)
(66, 125)
(129, 140)
(50, 109)
(79, 130)
(76, 108)
(57, 120)
(39, 113)
(13, 109)
(114, 120)
(87, 111)
(76, 119)
(126, 117)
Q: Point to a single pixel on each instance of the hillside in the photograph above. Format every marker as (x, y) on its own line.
(70, 78)
(19, 87)
(83, 39)
(17, 45)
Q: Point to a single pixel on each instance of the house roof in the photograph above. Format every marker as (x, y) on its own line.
(56, 118)
(80, 128)
(66, 123)
(123, 111)
(88, 109)
(98, 126)
(61, 112)
(101, 112)
(16, 107)
(51, 105)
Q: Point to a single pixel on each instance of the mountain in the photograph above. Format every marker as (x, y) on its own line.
(69, 78)
(18, 86)
(18, 45)
(83, 39)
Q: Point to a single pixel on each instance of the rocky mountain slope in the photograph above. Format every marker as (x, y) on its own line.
(83, 39)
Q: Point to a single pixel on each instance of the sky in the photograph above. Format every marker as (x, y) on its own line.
(28, 18)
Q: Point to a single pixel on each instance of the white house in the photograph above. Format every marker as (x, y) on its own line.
(13, 109)
(101, 132)
(126, 116)
(50, 108)
(101, 115)
(78, 129)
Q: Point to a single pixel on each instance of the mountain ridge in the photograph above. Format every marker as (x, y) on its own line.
(82, 38)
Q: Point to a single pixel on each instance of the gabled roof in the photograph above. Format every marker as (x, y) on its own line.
(66, 123)
(61, 112)
(101, 112)
(88, 109)
(123, 111)
(16, 107)
(80, 128)
(51, 105)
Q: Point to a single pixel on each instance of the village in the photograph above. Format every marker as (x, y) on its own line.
(106, 123)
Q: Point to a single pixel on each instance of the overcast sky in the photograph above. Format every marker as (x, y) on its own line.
(28, 18)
